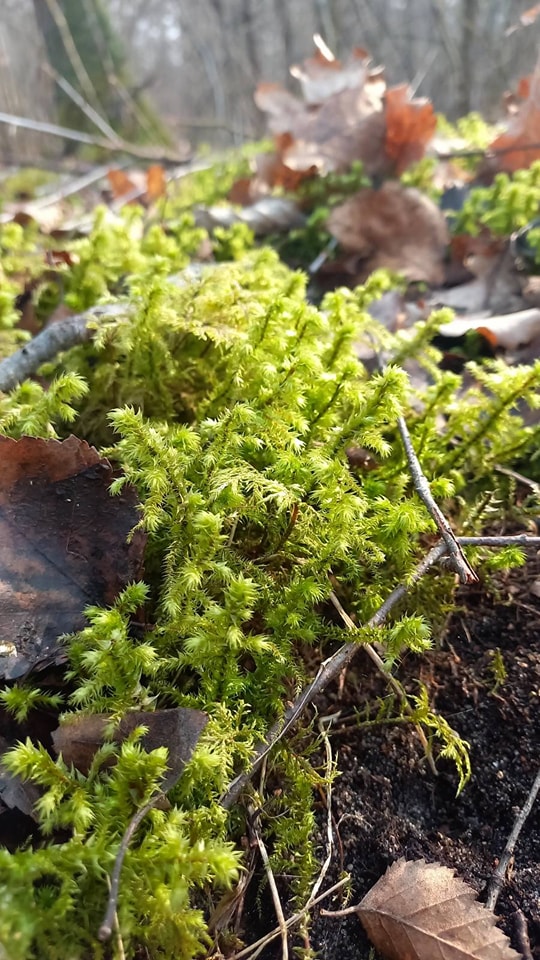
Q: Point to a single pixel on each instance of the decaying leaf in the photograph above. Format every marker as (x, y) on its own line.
(396, 228)
(63, 545)
(266, 215)
(79, 737)
(346, 114)
(142, 186)
(421, 911)
(16, 794)
(521, 140)
(511, 330)
(410, 125)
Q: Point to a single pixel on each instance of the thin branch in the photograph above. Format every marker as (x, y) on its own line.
(389, 679)
(88, 110)
(330, 669)
(51, 341)
(486, 151)
(253, 947)
(72, 52)
(74, 185)
(459, 562)
(108, 924)
(497, 880)
(117, 146)
(274, 891)
(526, 481)
(522, 935)
(520, 540)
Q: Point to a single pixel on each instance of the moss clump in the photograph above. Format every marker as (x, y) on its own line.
(230, 403)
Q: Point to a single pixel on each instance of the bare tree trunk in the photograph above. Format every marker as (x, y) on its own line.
(469, 15)
(84, 50)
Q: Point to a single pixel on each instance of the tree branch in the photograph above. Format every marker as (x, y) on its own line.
(497, 880)
(51, 341)
(154, 154)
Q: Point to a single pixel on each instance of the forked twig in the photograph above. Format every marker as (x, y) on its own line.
(330, 669)
(459, 562)
(497, 880)
(155, 154)
(108, 923)
(390, 680)
(254, 948)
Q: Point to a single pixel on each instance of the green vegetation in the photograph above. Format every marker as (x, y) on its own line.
(229, 402)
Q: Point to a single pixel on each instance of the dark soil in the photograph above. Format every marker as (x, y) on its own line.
(387, 804)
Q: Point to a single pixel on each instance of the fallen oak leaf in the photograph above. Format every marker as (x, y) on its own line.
(410, 125)
(156, 183)
(63, 545)
(519, 146)
(510, 330)
(419, 911)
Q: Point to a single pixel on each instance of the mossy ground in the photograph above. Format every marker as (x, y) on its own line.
(230, 401)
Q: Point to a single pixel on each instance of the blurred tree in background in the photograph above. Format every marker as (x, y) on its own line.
(199, 62)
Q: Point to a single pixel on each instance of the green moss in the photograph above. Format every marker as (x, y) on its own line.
(229, 402)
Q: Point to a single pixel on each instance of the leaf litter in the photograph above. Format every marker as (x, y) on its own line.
(63, 546)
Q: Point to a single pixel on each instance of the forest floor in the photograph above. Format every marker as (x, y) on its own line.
(386, 803)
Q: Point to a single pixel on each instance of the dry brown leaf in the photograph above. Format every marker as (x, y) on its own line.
(120, 184)
(521, 139)
(421, 911)
(79, 737)
(346, 114)
(410, 125)
(156, 183)
(396, 228)
(322, 75)
(63, 545)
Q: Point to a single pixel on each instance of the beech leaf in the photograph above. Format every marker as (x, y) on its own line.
(422, 911)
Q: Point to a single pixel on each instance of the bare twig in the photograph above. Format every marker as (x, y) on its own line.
(72, 52)
(155, 154)
(459, 562)
(389, 679)
(514, 475)
(486, 151)
(274, 891)
(107, 926)
(87, 108)
(73, 185)
(331, 668)
(328, 671)
(497, 880)
(256, 947)
(51, 341)
(323, 730)
(522, 935)
(519, 540)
